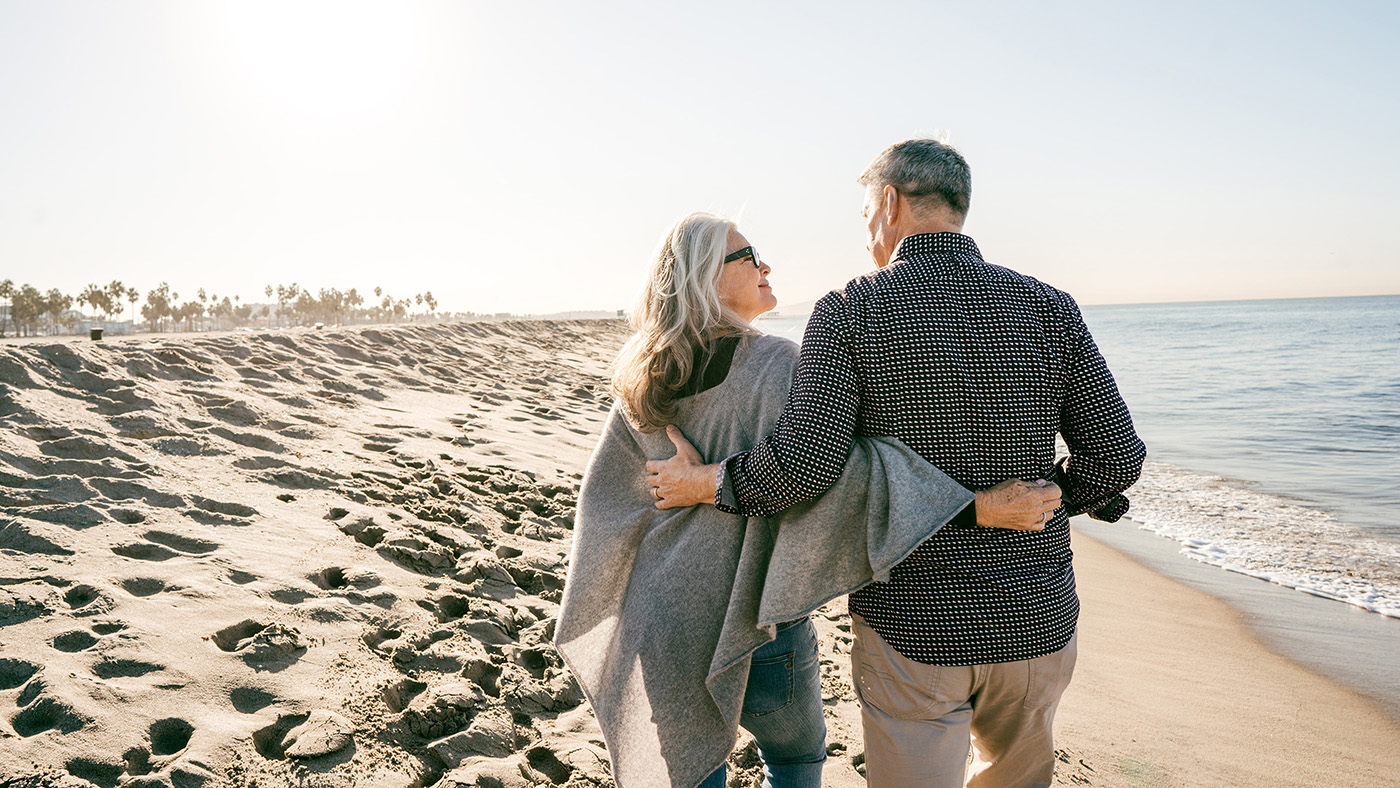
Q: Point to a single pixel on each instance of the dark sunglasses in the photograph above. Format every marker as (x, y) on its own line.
(747, 251)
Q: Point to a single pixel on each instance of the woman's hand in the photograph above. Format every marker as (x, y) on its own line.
(683, 480)
(1018, 505)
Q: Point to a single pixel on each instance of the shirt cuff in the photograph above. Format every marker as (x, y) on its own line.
(1112, 511)
(966, 517)
(726, 500)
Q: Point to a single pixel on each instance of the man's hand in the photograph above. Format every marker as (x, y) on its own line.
(1018, 505)
(683, 480)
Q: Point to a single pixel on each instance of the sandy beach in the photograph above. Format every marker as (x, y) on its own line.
(333, 558)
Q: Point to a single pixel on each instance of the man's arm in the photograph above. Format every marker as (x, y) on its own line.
(685, 480)
(807, 449)
(1106, 454)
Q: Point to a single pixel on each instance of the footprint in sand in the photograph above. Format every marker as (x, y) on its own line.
(44, 714)
(144, 586)
(144, 551)
(15, 672)
(122, 490)
(86, 600)
(251, 700)
(185, 544)
(211, 512)
(127, 516)
(124, 668)
(381, 443)
(376, 638)
(331, 578)
(163, 546)
(21, 539)
(105, 774)
(76, 640)
(80, 448)
(398, 695)
(170, 736)
(240, 577)
(263, 646)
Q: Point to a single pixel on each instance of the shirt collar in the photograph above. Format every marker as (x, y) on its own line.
(942, 251)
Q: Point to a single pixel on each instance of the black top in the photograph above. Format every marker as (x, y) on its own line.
(711, 365)
(976, 368)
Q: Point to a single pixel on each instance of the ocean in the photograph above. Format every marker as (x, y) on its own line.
(1273, 432)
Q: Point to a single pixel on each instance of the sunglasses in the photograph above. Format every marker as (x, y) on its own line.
(747, 251)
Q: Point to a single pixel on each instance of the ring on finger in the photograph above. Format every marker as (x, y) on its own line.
(656, 493)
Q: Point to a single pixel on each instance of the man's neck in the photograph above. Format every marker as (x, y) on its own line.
(927, 226)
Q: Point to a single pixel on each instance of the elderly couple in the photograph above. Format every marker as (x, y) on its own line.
(904, 455)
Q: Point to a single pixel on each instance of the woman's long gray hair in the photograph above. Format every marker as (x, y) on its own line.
(678, 311)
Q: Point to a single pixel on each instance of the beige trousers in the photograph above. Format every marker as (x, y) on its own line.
(920, 719)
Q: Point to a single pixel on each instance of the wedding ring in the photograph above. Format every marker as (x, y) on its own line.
(1044, 516)
(655, 493)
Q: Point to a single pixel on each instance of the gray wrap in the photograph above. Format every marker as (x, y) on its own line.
(662, 609)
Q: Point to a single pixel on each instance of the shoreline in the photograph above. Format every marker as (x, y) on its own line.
(1173, 688)
(1335, 639)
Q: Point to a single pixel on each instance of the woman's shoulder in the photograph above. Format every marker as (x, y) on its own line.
(769, 346)
(766, 356)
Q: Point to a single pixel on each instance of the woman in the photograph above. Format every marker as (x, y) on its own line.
(683, 624)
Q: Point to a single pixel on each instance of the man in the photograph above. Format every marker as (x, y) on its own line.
(977, 368)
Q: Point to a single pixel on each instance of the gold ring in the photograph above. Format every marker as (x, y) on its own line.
(655, 493)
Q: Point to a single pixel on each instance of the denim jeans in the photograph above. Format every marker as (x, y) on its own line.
(783, 710)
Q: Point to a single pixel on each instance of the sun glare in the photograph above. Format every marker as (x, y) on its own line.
(326, 67)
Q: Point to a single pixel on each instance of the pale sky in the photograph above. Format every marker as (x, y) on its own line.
(526, 156)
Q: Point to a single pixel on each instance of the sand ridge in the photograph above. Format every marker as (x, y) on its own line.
(268, 558)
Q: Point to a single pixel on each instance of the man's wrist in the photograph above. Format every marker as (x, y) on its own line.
(703, 483)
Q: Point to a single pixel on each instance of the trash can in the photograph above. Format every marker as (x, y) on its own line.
(95, 334)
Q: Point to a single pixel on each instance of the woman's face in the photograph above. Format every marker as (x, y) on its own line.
(743, 286)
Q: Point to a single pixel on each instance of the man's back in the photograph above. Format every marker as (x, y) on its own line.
(976, 368)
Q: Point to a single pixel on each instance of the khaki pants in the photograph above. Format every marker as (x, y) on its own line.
(920, 719)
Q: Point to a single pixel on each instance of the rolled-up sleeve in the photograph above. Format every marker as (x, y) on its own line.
(1106, 454)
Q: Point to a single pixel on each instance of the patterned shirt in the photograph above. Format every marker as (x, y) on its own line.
(976, 368)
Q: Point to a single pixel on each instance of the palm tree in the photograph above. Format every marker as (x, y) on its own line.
(7, 292)
(132, 295)
(93, 296)
(55, 304)
(116, 291)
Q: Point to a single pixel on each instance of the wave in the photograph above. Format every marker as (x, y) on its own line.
(1291, 542)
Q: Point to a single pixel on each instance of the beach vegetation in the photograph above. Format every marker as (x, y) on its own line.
(25, 310)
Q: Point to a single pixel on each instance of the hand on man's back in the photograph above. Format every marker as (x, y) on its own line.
(1018, 505)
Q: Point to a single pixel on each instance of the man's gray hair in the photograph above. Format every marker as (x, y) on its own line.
(927, 172)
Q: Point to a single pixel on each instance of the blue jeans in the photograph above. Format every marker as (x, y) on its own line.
(783, 710)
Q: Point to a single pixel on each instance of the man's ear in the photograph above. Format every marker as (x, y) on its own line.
(890, 196)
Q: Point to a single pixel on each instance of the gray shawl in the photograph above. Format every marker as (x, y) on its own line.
(663, 609)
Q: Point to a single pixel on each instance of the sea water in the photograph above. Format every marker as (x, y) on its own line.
(1273, 432)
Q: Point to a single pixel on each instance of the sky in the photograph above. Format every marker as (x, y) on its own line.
(526, 156)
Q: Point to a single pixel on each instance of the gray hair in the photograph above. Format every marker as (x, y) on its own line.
(677, 311)
(928, 173)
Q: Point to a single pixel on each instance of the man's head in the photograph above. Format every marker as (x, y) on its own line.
(916, 186)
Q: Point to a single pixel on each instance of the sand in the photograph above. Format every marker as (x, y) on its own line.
(1172, 689)
(333, 558)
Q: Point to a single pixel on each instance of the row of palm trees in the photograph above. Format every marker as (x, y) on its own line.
(31, 310)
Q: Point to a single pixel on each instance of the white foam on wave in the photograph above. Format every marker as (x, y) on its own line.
(1222, 522)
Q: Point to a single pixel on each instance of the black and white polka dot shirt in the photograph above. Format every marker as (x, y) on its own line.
(977, 368)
